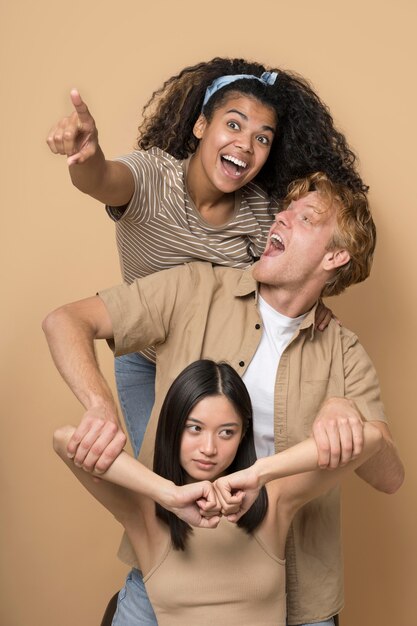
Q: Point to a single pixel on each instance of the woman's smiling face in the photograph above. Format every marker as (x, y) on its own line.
(211, 437)
(235, 143)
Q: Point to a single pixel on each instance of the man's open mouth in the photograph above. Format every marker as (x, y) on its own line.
(276, 242)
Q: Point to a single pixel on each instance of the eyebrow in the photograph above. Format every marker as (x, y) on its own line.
(245, 117)
(194, 419)
(313, 208)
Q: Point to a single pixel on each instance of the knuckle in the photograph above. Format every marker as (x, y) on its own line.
(84, 446)
(111, 427)
(101, 466)
(121, 440)
(96, 449)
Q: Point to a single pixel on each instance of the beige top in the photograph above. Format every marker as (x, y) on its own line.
(198, 311)
(224, 576)
(161, 227)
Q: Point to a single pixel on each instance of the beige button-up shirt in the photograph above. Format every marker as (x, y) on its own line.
(199, 311)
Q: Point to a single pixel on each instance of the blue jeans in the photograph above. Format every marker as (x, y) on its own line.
(135, 378)
(133, 606)
(328, 622)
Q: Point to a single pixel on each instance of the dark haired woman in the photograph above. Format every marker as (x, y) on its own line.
(234, 575)
(219, 144)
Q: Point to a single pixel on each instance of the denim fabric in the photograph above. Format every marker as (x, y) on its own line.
(328, 622)
(135, 378)
(133, 606)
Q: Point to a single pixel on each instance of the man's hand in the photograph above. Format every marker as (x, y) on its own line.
(197, 505)
(76, 135)
(96, 442)
(237, 492)
(338, 433)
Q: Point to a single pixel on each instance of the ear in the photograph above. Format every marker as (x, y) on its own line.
(335, 258)
(200, 126)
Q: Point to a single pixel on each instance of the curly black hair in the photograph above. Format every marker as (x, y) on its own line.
(306, 140)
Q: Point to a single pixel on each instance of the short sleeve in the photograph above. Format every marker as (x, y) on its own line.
(142, 312)
(144, 172)
(361, 380)
(155, 174)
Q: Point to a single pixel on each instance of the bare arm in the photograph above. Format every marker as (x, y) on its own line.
(129, 485)
(70, 332)
(300, 478)
(76, 137)
(385, 470)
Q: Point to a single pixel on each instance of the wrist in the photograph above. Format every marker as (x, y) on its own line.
(261, 471)
(167, 495)
(103, 407)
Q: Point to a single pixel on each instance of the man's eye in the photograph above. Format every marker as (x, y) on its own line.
(233, 125)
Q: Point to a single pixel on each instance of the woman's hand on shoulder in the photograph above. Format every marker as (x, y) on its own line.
(323, 316)
(76, 135)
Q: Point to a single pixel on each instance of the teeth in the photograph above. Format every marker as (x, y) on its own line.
(235, 161)
(277, 238)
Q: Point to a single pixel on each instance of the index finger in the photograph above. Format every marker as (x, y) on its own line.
(80, 106)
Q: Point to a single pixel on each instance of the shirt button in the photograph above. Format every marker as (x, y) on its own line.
(257, 326)
(241, 363)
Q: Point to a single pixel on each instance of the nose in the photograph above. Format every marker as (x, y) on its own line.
(208, 444)
(244, 142)
(283, 218)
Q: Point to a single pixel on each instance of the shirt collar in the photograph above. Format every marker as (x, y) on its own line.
(247, 285)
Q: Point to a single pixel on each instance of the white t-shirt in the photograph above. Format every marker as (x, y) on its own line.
(260, 375)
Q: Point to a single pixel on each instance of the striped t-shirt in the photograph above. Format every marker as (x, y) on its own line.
(161, 227)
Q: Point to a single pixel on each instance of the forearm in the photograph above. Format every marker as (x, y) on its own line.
(109, 182)
(70, 335)
(303, 457)
(384, 471)
(125, 471)
(127, 485)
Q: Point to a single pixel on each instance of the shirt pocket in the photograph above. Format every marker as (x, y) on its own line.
(313, 394)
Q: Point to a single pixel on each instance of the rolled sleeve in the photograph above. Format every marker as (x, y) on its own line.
(361, 380)
(141, 313)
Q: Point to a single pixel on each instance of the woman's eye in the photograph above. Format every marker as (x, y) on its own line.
(227, 433)
(193, 428)
(233, 125)
(264, 140)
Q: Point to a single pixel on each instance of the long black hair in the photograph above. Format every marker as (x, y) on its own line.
(198, 381)
(306, 140)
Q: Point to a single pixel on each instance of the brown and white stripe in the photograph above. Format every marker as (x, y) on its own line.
(161, 227)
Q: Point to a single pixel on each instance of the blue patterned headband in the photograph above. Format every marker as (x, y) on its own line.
(267, 78)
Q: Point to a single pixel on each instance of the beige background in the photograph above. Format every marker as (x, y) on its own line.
(58, 561)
